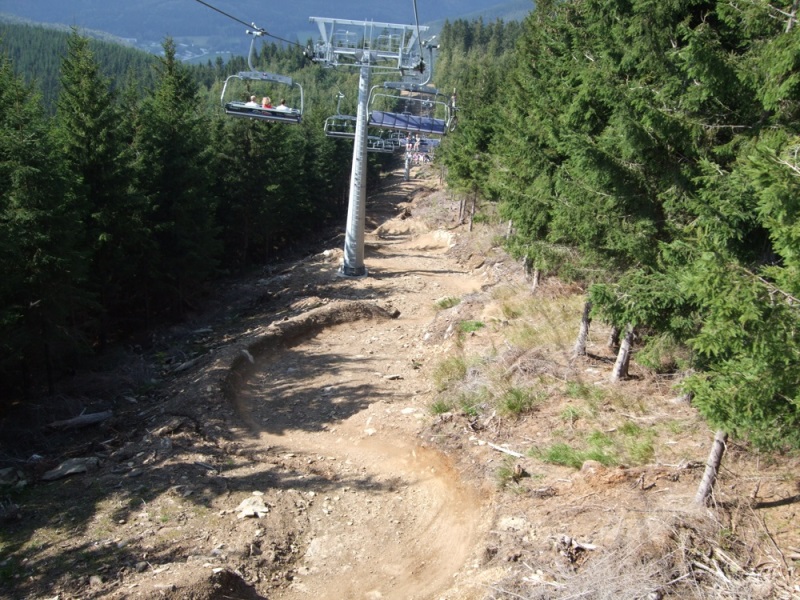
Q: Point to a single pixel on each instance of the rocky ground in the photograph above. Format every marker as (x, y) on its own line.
(313, 436)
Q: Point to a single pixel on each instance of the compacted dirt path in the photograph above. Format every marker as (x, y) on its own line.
(391, 517)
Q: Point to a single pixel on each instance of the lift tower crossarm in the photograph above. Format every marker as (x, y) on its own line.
(390, 46)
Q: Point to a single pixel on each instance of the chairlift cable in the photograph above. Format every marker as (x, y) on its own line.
(222, 12)
(260, 30)
(416, 21)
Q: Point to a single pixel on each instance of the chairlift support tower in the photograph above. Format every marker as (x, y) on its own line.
(368, 46)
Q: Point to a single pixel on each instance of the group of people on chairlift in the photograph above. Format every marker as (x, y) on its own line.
(266, 102)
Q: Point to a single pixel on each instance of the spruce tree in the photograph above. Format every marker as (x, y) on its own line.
(172, 164)
(91, 142)
(41, 232)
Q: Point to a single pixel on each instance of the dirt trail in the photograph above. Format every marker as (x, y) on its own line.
(391, 519)
(271, 455)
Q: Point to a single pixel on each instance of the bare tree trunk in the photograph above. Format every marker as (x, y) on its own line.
(613, 337)
(792, 16)
(712, 468)
(623, 356)
(462, 210)
(583, 332)
(471, 212)
(535, 282)
(509, 229)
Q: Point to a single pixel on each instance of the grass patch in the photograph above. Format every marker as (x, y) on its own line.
(579, 390)
(471, 404)
(551, 323)
(629, 443)
(510, 311)
(440, 407)
(449, 371)
(637, 443)
(600, 440)
(571, 414)
(641, 451)
(470, 326)
(628, 403)
(675, 427)
(567, 456)
(447, 302)
(518, 401)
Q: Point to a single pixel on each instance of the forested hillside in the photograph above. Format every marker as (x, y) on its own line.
(148, 21)
(649, 153)
(121, 208)
(643, 154)
(37, 53)
(647, 156)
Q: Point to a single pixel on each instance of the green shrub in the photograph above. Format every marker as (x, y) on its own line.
(517, 401)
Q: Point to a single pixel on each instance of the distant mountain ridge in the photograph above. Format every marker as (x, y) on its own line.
(148, 22)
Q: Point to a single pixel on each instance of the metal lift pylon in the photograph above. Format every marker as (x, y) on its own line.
(353, 263)
(368, 46)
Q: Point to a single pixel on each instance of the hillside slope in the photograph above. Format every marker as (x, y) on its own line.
(394, 436)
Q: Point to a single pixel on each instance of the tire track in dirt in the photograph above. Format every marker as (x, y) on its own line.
(389, 517)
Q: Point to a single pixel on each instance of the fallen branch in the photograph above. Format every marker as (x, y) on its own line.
(716, 572)
(81, 420)
(505, 450)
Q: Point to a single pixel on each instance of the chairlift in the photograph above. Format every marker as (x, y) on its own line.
(413, 106)
(378, 144)
(339, 125)
(253, 108)
(410, 107)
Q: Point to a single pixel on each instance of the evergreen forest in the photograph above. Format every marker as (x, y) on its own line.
(130, 194)
(646, 151)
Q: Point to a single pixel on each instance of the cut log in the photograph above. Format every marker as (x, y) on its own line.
(81, 420)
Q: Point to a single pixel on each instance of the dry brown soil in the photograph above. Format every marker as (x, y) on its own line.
(307, 397)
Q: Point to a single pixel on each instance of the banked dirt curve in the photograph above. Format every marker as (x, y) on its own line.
(386, 516)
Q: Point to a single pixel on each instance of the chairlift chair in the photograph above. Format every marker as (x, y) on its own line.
(424, 109)
(242, 108)
(378, 144)
(339, 125)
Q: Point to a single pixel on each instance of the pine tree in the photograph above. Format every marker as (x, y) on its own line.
(98, 160)
(40, 235)
(172, 147)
